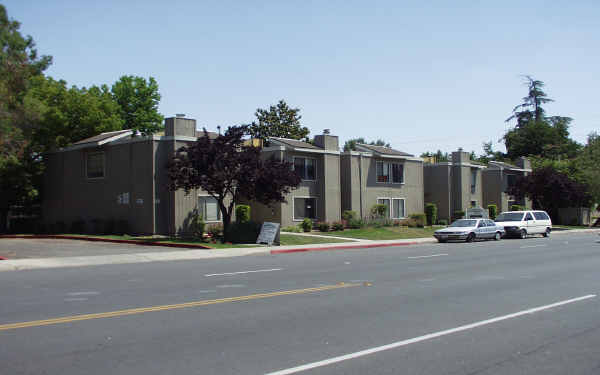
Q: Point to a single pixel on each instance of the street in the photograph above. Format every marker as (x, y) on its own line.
(496, 307)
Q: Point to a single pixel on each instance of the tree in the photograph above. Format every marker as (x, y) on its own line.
(138, 100)
(550, 190)
(72, 114)
(278, 121)
(588, 166)
(438, 156)
(225, 168)
(350, 145)
(19, 64)
(535, 133)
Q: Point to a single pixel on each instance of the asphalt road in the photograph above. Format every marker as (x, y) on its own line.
(507, 307)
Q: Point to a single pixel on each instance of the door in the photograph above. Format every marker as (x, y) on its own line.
(532, 226)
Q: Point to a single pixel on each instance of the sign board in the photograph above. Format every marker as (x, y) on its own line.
(269, 233)
(476, 213)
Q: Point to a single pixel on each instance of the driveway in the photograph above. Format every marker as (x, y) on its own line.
(20, 248)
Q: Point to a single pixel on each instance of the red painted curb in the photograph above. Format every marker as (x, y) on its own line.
(339, 247)
(96, 239)
(2, 258)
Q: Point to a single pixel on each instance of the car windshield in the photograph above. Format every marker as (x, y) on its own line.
(510, 216)
(464, 223)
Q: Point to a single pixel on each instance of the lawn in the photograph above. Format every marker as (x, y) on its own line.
(384, 233)
(290, 239)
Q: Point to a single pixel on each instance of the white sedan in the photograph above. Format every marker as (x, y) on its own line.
(469, 230)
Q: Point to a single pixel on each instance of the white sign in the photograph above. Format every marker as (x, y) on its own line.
(269, 233)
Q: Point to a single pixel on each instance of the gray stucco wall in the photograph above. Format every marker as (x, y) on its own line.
(71, 196)
(437, 186)
(411, 190)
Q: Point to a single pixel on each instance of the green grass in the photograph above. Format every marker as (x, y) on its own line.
(290, 239)
(384, 233)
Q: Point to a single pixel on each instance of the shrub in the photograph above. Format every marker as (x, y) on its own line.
(122, 227)
(197, 225)
(98, 226)
(244, 232)
(431, 213)
(242, 213)
(215, 231)
(293, 229)
(419, 219)
(60, 227)
(307, 225)
(349, 215)
(78, 227)
(516, 207)
(109, 226)
(458, 214)
(379, 210)
(396, 223)
(356, 223)
(337, 226)
(387, 222)
(492, 211)
(442, 222)
(324, 226)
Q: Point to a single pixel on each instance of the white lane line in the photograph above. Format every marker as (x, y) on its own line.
(430, 336)
(527, 247)
(75, 299)
(241, 272)
(83, 293)
(427, 256)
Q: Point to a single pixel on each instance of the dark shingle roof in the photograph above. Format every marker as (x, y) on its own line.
(295, 143)
(384, 150)
(101, 137)
(505, 165)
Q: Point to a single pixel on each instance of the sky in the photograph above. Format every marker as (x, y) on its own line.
(420, 75)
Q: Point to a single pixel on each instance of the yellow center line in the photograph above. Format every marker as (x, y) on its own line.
(141, 310)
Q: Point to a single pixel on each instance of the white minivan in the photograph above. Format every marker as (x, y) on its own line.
(523, 223)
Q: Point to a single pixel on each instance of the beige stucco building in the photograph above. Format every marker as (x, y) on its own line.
(498, 177)
(381, 175)
(455, 185)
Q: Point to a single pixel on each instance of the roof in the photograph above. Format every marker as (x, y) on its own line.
(295, 143)
(505, 165)
(383, 150)
(104, 137)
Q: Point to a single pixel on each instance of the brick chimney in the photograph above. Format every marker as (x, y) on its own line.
(180, 126)
(327, 141)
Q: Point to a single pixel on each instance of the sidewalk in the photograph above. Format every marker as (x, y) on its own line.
(97, 260)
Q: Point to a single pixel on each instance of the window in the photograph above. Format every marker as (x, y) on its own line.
(397, 173)
(305, 167)
(528, 216)
(473, 203)
(398, 211)
(387, 172)
(94, 165)
(386, 202)
(208, 208)
(305, 208)
(541, 215)
(511, 180)
(473, 181)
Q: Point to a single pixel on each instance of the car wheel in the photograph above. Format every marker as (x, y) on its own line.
(470, 237)
(497, 236)
(523, 234)
(546, 233)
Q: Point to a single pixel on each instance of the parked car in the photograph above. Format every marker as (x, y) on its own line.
(523, 223)
(469, 230)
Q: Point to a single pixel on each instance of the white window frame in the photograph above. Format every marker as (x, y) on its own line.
(219, 218)
(390, 173)
(403, 206)
(305, 158)
(389, 206)
(87, 154)
(294, 207)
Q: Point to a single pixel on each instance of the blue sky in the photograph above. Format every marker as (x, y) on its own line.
(420, 75)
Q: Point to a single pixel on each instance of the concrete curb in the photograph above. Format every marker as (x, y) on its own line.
(98, 239)
(341, 247)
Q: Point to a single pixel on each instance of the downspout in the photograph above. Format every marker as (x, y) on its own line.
(360, 188)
